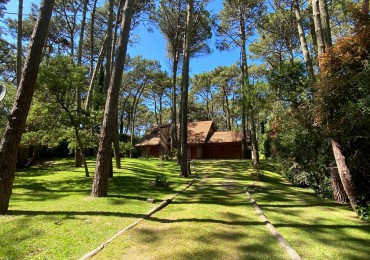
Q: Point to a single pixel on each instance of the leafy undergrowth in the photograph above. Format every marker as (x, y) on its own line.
(53, 216)
(317, 228)
(210, 220)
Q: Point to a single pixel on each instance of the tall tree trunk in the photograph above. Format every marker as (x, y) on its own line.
(318, 27)
(100, 184)
(79, 152)
(325, 23)
(184, 91)
(244, 68)
(82, 33)
(339, 193)
(17, 118)
(174, 140)
(108, 53)
(92, 44)
(19, 42)
(302, 39)
(107, 75)
(344, 173)
(119, 7)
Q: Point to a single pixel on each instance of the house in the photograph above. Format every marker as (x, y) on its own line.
(204, 142)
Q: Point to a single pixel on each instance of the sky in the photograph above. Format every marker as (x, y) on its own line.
(152, 45)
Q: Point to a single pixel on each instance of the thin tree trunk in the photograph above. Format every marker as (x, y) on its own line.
(184, 90)
(318, 27)
(344, 173)
(244, 68)
(117, 152)
(93, 77)
(302, 39)
(92, 45)
(82, 33)
(100, 184)
(174, 140)
(17, 118)
(255, 152)
(79, 154)
(19, 42)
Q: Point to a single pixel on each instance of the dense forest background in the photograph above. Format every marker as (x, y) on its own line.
(301, 85)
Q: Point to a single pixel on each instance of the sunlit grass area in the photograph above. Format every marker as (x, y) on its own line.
(214, 220)
(317, 228)
(52, 215)
(211, 220)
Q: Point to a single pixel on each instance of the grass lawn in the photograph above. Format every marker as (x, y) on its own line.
(211, 220)
(52, 215)
(317, 228)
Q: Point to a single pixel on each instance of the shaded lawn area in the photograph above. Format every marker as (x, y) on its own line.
(52, 215)
(210, 220)
(214, 220)
(317, 228)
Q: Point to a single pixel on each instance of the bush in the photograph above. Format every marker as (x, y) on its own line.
(161, 181)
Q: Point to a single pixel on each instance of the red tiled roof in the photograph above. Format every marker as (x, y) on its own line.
(198, 131)
(226, 137)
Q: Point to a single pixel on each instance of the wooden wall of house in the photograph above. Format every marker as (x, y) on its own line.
(223, 151)
(150, 151)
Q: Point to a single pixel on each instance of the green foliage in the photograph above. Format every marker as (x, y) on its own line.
(364, 212)
(161, 181)
(343, 102)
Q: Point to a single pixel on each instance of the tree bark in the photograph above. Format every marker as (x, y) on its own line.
(318, 27)
(174, 140)
(244, 79)
(255, 152)
(184, 91)
(303, 42)
(344, 174)
(17, 118)
(79, 153)
(19, 42)
(325, 23)
(92, 38)
(100, 184)
(339, 193)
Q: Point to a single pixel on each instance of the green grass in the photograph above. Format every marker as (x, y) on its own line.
(317, 228)
(52, 215)
(210, 220)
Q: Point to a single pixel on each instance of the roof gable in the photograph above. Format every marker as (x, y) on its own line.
(198, 131)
